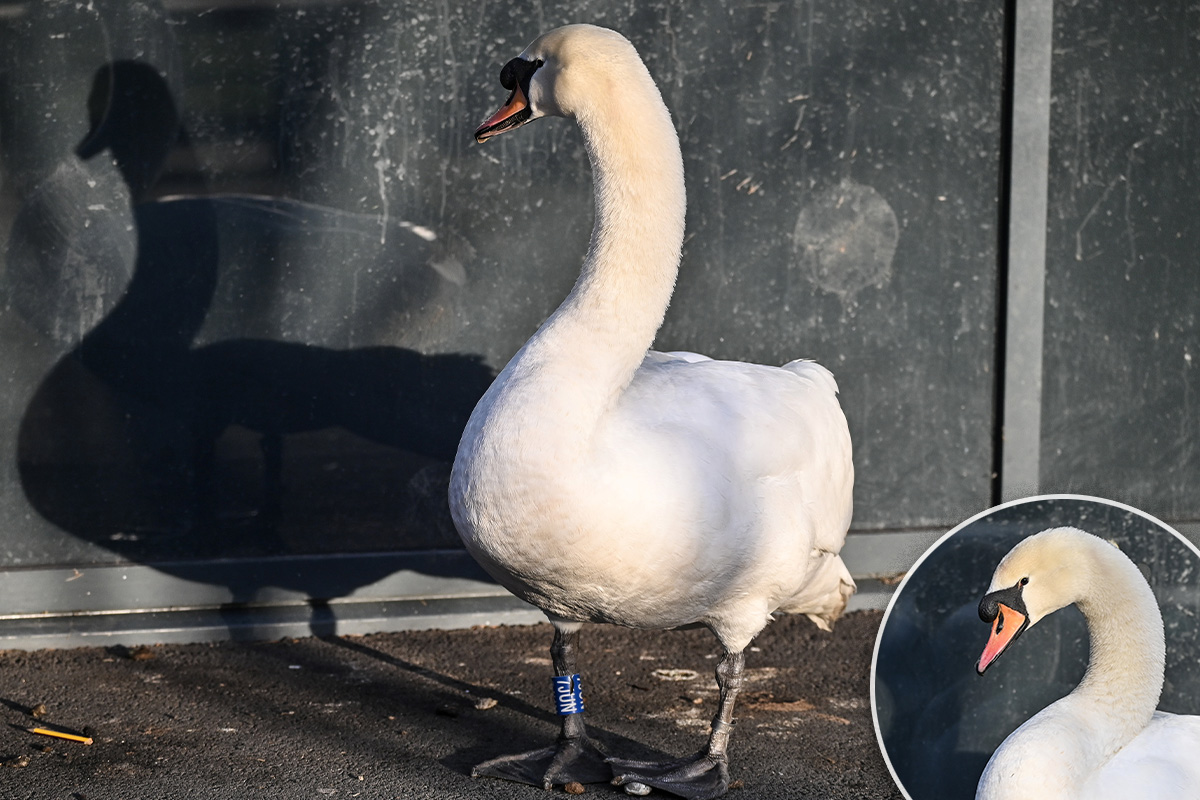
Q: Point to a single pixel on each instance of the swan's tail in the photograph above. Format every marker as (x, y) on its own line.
(829, 588)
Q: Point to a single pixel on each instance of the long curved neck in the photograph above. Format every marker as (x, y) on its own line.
(1124, 677)
(597, 338)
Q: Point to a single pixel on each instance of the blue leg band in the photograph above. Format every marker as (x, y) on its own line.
(568, 695)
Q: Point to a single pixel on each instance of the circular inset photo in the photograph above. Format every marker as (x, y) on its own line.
(1047, 648)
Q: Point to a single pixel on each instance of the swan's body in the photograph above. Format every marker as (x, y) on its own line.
(604, 482)
(1104, 740)
(655, 524)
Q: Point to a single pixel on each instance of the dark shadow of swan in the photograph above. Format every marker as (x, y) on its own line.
(117, 445)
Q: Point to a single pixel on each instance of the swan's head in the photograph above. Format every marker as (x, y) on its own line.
(1040, 575)
(563, 72)
(132, 114)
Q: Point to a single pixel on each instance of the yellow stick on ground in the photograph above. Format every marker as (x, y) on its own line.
(61, 735)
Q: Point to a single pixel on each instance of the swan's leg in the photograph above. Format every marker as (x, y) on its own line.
(574, 758)
(707, 774)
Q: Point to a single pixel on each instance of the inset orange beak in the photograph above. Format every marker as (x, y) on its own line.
(1008, 625)
(513, 114)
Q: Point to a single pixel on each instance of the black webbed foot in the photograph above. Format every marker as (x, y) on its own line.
(700, 778)
(576, 760)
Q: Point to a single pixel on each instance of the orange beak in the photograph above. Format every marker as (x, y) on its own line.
(513, 114)
(1007, 626)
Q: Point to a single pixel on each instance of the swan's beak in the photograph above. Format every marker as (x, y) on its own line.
(93, 143)
(1008, 625)
(513, 114)
(99, 105)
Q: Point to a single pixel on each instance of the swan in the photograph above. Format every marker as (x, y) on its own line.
(604, 482)
(1104, 740)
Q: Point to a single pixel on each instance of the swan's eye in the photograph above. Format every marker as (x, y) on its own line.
(1024, 581)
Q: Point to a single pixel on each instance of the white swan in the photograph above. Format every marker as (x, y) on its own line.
(1104, 740)
(605, 483)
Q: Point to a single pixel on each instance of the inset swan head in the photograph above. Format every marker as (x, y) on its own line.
(565, 72)
(1039, 576)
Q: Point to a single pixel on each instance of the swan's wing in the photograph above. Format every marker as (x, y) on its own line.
(753, 464)
(747, 428)
(655, 356)
(1161, 761)
(741, 407)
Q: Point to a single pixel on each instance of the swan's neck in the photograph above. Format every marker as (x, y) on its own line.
(596, 339)
(1124, 677)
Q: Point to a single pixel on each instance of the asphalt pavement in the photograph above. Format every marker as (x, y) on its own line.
(406, 715)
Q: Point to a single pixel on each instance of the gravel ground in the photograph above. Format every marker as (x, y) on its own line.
(406, 715)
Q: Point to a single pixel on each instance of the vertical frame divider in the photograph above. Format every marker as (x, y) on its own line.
(1024, 287)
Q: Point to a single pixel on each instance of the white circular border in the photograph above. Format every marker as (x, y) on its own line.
(908, 574)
